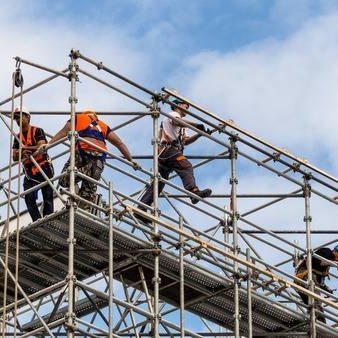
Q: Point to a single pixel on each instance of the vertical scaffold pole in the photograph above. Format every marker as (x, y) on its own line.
(111, 259)
(234, 216)
(307, 220)
(249, 295)
(156, 238)
(181, 241)
(70, 319)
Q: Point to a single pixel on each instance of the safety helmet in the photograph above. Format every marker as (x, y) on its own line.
(24, 111)
(88, 111)
(177, 102)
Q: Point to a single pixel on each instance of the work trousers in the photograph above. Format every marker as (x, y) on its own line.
(171, 159)
(47, 193)
(89, 165)
(318, 281)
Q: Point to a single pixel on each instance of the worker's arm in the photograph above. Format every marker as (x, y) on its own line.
(61, 133)
(117, 142)
(188, 140)
(58, 136)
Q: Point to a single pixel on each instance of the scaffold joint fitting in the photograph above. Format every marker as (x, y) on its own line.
(155, 113)
(233, 180)
(73, 133)
(157, 238)
(156, 280)
(71, 241)
(74, 53)
(72, 99)
(307, 219)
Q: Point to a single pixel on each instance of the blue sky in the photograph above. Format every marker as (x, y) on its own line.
(271, 66)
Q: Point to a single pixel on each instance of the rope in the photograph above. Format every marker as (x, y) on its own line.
(17, 249)
(6, 227)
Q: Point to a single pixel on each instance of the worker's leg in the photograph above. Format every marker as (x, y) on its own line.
(47, 193)
(93, 169)
(31, 198)
(184, 169)
(79, 162)
(148, 195)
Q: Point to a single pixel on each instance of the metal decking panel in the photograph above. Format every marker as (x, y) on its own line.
(43, 261)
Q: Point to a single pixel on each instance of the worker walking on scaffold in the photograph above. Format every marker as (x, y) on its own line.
(32, 138)
(90, 160)
(173, 139)
(320, 270)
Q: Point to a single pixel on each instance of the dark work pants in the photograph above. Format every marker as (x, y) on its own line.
(318, 280)
(171, 159)
(47, 194)
(91, 166)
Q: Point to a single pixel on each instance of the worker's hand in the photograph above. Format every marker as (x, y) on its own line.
(208, 131)
(135, 165)
(42, 148)
(201, 127)
(26, 154)
(326, 288)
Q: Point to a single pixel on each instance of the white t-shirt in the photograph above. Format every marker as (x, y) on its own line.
(170, 130)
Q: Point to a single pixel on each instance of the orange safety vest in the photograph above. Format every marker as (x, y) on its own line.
(88, 125)
(41, 159)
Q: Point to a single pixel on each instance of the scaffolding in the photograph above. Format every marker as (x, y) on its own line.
(214, 269)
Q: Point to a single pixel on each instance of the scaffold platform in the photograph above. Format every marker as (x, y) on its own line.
(43, 262)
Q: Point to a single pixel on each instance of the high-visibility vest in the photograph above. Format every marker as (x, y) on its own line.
(88, 125)
(29, 140)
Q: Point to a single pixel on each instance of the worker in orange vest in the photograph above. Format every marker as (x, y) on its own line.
(90, 160)
(31, 138)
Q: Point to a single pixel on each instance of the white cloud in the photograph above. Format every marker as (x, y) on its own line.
(284, 91)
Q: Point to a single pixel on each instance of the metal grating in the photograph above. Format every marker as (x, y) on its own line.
(43, 261)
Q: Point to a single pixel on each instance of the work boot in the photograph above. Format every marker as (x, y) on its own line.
(201, 193)
(140, 217)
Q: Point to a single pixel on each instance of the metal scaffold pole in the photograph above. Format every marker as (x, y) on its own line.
(181, 254)
(111, 260)
(156, 237)
(234, 218)
(70, 320)
(307, 220)
(185, 266)
(249, 291)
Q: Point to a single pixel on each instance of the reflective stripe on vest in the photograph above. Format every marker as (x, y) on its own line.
(88, 125)
(29, 141)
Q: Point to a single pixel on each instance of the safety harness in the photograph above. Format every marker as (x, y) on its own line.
(41, 158)
(166, 143)
(88, 125)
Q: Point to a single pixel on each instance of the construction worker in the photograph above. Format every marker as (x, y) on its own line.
(320, 270)
(172, 141)
(31, 138)
(89, 160)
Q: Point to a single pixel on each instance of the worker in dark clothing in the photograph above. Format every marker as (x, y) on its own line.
(89, 160)
(320, 269)
(31, 138)
(172, 141)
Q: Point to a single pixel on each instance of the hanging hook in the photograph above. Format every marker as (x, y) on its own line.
(18, 78)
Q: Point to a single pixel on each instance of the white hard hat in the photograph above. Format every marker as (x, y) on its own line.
(24, 111)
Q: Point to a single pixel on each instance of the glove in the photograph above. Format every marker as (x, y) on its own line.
(26, 154)
(135, 165)
(42, 148)
(200, 127)
(326, 288)
(208, 131)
